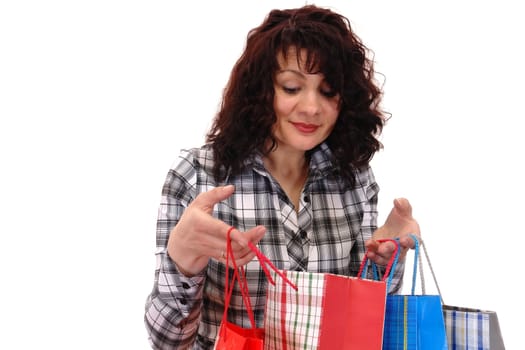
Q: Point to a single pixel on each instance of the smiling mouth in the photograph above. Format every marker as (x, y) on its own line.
(305, 128)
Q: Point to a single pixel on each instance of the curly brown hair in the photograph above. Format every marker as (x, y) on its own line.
(244, 121)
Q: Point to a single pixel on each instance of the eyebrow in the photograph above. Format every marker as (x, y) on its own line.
(300, 74)
(289, 70)
(293, 71)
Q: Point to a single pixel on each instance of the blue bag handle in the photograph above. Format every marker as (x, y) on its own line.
(391, 266)
(416, 260)
(418, 244)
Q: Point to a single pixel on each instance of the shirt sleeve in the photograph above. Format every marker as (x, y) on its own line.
(172, 310)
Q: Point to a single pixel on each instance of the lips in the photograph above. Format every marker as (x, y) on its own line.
(306, 128)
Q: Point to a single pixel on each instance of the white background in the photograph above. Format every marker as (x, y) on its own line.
(97, 97)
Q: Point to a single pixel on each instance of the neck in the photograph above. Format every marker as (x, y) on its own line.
(285, 165)
(290, 173)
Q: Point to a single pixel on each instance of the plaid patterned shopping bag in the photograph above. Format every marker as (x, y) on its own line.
(327, 312)
(472, 329)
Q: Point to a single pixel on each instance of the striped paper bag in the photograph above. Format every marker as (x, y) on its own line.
(469, 329)
(326, 312)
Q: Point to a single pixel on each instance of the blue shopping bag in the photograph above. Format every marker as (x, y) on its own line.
(414, 321)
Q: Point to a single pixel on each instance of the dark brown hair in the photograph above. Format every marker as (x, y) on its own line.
(246, 116)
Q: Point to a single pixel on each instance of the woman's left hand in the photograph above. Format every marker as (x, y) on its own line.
(399, 224)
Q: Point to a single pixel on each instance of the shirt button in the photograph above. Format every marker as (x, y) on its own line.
(303, 234)
(183, 301)
(185, 285)
(306, 199)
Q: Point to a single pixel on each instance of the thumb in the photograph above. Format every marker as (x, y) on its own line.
(403, 207)
(208, 199)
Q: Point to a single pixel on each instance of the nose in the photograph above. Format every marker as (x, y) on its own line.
(310, 103)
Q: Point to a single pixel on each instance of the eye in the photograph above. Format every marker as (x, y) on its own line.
(290, 90)
(328, 93)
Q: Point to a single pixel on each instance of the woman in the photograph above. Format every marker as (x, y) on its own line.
(286, 163)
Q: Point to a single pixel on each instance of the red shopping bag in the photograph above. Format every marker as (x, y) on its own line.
(231, 336)
(327, 311)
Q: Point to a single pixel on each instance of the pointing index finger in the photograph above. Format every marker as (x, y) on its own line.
(208, 199)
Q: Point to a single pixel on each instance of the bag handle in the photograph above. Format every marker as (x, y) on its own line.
(239, 275)
(390, 267)
(265, 263)
(422, 244)
(418, 261)
(241, 280)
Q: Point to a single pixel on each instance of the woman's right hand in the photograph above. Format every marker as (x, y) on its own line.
(198, 236)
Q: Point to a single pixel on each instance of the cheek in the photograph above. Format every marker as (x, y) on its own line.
(282, 106)
(333, 107)
(332, 113)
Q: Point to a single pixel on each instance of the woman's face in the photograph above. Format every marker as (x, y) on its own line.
(305, 106)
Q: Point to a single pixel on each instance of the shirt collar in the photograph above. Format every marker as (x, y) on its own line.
(321, 162)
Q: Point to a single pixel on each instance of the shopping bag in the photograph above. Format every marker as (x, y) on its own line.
(327, 311)
(233, 337)
(414, 322)
(230, 335)
(469, 328)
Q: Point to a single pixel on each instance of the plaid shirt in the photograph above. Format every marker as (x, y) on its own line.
(326, 235)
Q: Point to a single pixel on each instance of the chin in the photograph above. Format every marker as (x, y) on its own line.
(308, 146)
